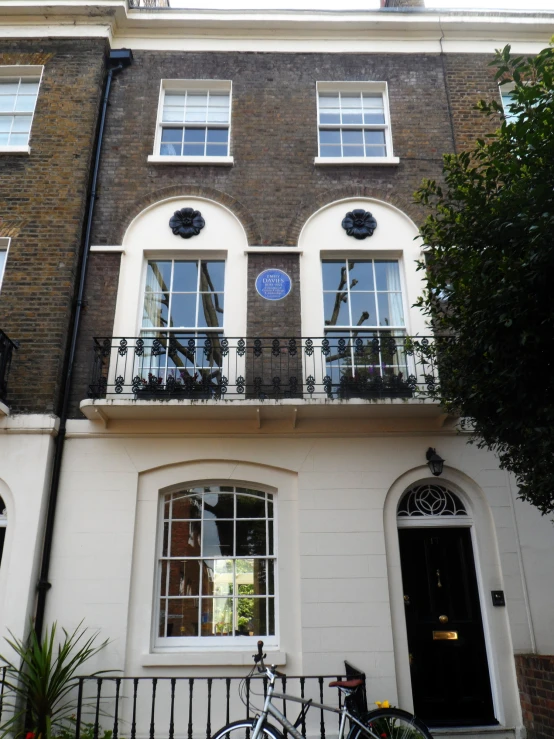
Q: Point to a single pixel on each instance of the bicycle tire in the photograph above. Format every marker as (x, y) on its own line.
(244, 730)
(390, 723)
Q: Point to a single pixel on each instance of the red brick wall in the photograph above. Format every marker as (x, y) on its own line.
(43, 198)
(535, 676)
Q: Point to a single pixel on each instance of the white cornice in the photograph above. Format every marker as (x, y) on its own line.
(409, 31)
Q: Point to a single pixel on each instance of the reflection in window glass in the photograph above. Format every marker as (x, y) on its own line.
(3, 256)
(217, 564)
(363, 306)
(182, 320)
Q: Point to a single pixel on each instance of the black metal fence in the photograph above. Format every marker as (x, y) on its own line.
(212, 366)
(6, 350)
(189, 707)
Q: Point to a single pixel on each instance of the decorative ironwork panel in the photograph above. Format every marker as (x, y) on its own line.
(430, 501)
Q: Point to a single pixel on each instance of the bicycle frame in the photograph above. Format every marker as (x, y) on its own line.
(272, 710)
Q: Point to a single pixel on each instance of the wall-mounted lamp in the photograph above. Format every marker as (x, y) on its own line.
(435, 462)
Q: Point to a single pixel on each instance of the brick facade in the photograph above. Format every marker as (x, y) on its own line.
(42, 206)
(535, 676)
(273, 186)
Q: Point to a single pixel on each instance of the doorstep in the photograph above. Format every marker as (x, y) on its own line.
(477, 732)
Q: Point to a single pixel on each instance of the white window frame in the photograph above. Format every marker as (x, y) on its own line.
(197, 86)
(22, 70)
(4, 247)
(359, 87)
(207, 643)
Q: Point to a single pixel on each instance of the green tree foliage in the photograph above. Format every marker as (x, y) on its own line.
(490, 278)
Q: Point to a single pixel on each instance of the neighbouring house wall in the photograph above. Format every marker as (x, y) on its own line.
(43, 197)
(26, 443)
(535, 676)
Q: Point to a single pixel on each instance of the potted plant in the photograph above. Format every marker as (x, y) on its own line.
(184, 386)
(364, 383)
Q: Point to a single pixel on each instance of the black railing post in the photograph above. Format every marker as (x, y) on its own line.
(134, 717)
(153, 709)
(97, 713)
(191, 685)
(79, 708)
(116, 711)
(172, 710)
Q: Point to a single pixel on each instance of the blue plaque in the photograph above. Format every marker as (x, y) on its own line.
(273, 284)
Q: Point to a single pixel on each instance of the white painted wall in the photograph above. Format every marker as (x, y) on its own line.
(335, 548)
(26, 446)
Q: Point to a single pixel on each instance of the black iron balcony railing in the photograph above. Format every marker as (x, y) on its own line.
(6, 350)
(187, 707)
(210, 366)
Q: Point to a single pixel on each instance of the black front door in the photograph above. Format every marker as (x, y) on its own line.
(449, 669)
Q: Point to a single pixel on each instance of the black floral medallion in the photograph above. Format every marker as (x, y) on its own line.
(359, 223)
(186, 223)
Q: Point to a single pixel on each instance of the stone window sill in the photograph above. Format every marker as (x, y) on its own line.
(218, 161)
(15, 149)
(364, 161)
(215, 657)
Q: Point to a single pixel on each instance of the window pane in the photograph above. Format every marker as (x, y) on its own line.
(271, 624)
(171, 150)
(387, 275)
(9, 87)
(390, 309)
(6, 123)
(28, 87)
(182, 617)
(218, 538)
(248, 507)
(335, 307)
(7, 103)
(372, 100)
(155, 310)
(352, 136)
(19, 139)
(185, 539)
(193, 150)
(212, 276)
(375, 151)
(330, 151)
(271, 576)
(183, 310)
(186, 506)
(363, 309)
(181, 577)
(221, 617)
(216, 150)
(25, 103)
(218, 135)
(173, 115)
(329, 100)
(251, 538)
(217, 577)
(158, 276)
(325, 117)
(374, 137)
(334, 275)
(185, 277)
(361, 275)
(219, 505)
(329, 136)
(195, 135)
(248, 577)
(210, 310)
(219, 100)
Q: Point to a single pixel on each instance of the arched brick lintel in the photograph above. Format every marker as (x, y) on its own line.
(252, 231)
(309, 207)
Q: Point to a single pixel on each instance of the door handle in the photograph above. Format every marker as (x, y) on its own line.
(443, 619)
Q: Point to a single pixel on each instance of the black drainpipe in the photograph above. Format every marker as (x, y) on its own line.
(118, 60)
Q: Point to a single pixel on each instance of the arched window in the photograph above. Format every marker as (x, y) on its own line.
(3, 524)
(216, 569)
(430, 501)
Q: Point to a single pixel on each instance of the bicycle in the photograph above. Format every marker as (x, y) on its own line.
(382, 723)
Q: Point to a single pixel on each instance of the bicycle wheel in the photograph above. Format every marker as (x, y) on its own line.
(244, 730)
(390, 723)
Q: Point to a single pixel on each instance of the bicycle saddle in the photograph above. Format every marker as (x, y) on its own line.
(346, 683)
